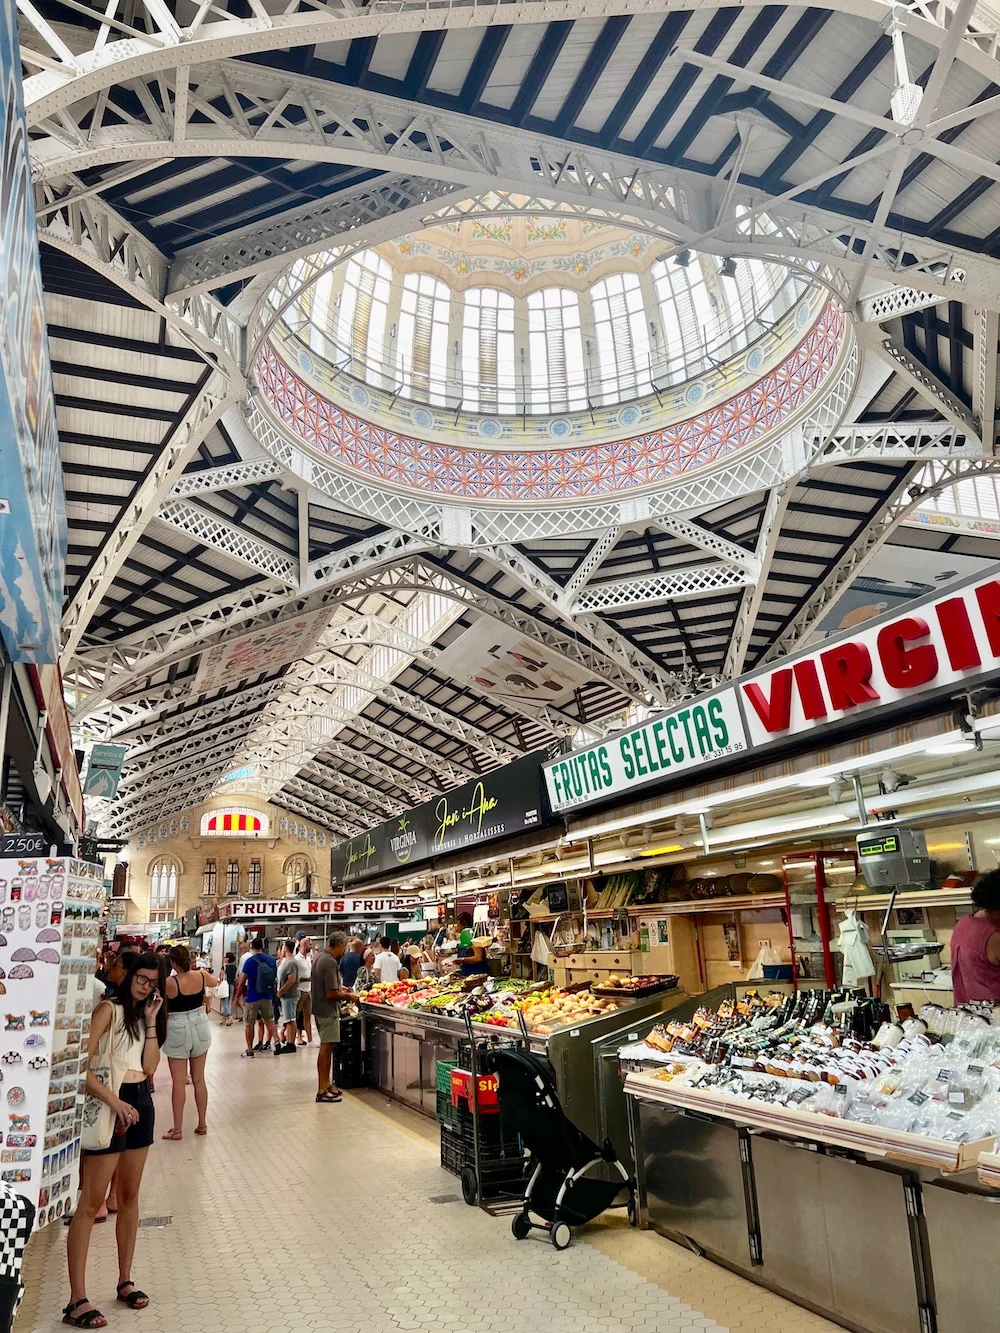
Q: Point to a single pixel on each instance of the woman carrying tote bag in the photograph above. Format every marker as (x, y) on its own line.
(118, 1127)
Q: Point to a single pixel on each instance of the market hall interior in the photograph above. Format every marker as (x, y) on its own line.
(377, 1239)
(499, 664)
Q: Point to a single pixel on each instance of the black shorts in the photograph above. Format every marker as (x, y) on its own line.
(139, 1135)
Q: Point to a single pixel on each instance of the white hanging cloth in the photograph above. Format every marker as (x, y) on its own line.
(853, 944)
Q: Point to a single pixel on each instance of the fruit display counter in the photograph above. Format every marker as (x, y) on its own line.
(793, 1137)
(408, 1031)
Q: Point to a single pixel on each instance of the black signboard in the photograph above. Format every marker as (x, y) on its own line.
(506, 801)
(25, 844)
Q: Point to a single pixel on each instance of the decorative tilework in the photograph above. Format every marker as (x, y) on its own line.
(567, 474)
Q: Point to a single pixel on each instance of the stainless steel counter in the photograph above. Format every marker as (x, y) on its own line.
(877, 1246)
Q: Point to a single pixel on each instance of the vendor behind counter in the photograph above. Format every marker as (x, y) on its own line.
(471, 954)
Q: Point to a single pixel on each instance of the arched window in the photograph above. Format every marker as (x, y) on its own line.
(422, 348)
(298, 876)
(689, 319)
(555, 349)
(622, 339)
(232, 878)
(360, 326)
(488, 351)
(163, 891)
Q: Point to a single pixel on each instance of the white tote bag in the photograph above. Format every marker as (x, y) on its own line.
(109, 1069)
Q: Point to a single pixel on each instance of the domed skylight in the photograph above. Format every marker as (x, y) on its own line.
(533, 315)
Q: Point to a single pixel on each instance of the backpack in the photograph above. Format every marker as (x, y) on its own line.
(266, 979)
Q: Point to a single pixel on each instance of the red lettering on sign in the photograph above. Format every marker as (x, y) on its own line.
(959, 639)
(848, 671)
(775, 713)
(810, 690)
(905, 668)
(988, 597)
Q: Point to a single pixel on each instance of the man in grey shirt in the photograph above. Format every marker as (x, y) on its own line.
(328, 990)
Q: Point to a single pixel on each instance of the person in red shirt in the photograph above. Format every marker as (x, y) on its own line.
(975, 944)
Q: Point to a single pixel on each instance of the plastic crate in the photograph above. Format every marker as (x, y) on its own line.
(447, 1114)
(444, 1068)
(500, 1169)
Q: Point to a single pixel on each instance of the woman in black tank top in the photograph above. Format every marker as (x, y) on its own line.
(188, 1037)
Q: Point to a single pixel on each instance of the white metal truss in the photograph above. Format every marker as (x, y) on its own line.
(335, 750)
(328, 800)
(890, 442)
(288, 117)
(917, 376)
(371, 798)
(101, 671)
(299, 730)
(86, 227)
(985, 363)
(892, 302)
(237, 543)
(697, 535)
(130, 40)
(767, 545)
(213, 399)
(323, 817)
(338, 671)
(159, 754)
(908, 495)
(376, 211)
(148, 724)
(224, 478)
(667, 585)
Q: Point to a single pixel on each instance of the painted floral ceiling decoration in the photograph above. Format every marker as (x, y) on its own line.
(523, 252)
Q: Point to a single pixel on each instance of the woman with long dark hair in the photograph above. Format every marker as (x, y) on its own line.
(188, 1037)
(123, 1051)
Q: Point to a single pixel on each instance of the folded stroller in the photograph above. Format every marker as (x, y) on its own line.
(563, 1188)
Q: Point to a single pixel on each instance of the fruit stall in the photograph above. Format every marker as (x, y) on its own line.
(411, 1025)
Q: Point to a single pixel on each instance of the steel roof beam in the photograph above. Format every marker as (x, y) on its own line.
(668, 585)
(238, 544)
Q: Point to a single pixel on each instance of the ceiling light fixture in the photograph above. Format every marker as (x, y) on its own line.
(837, 788)
(682, 258)
(959, 746)
(728, 269)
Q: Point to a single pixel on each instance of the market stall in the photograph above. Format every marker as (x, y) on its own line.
(404, 1044)
(785, 1139)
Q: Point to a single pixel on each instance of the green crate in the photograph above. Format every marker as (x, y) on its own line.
(448, 1115)
(444, 1069)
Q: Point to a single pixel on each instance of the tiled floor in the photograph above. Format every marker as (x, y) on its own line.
(293, 1218)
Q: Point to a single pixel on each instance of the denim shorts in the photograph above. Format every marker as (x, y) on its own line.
(289, 1004)
(188, 1035)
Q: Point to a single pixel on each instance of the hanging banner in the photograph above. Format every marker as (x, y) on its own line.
(506, 801)
(104, 771)
(32, 505)
(225, 664)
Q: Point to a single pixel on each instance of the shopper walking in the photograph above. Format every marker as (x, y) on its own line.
(352, 961)
(189, 1035)
(226, 987)
(328, 990)
(303, 1013)
(123, 1050)
(257, 982)
(288, 996)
